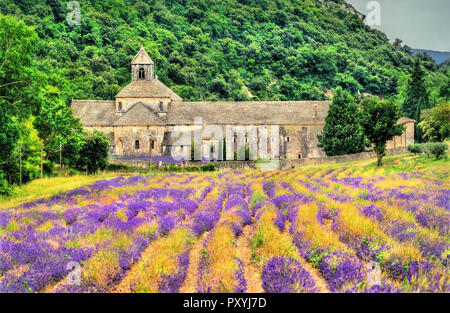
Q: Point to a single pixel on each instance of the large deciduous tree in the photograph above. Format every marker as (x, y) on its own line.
(17, 75)
(379, 122)
(58, 128)
(342, 133)
(435, 123)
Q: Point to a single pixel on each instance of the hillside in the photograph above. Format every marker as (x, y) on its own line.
(211, 50)
(438, 56)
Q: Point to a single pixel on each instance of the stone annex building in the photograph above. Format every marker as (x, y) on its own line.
(146, 111)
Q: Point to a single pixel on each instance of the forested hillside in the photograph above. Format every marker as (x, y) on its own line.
(213, 49)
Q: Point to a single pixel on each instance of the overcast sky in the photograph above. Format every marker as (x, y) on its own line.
(421, 24)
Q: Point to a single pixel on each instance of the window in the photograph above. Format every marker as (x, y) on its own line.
(161, 106)
(141, 73)
(288, 139)
(136, 144)
(120, 106)
(273, 139)
(299, 155)
(152, 144)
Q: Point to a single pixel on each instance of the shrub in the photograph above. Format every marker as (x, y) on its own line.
(438, 149)
(117, 167)
(5, 190)
(94, 155)
(210, 167)
(426, 148)
(416, 148)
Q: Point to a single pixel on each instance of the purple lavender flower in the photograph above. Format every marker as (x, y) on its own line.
(204, 221)
(339, 268)
(269, 189)
(373, 212)
(237, 229)
(241, 286)
(286, 275)
(172, 283)
(189, 206)
(70, 216)
(166, 224)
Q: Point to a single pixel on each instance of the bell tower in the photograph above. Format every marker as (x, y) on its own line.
(142, 67)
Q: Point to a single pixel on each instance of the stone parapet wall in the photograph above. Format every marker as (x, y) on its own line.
(283, 164)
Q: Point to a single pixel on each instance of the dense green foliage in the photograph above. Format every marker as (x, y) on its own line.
(415, 148)
(209, 49)
(435, 123)
(203, 50)
(59, 129)
(417, 98)
(342, 133)
(35, 123)
(17, 101)
(438, 149)
(379, 122)
(94, 154)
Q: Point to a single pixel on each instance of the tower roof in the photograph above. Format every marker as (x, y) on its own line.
(142, 58)
(148, 89)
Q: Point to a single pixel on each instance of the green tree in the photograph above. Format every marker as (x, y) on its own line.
(94, 155)
(342, 133)
(435, 123)
(31, 145)
(417, 97)
(9, 135)
(17, 75)
(379, 121)
(59, 128)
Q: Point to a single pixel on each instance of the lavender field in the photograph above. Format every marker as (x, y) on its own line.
(317, 229)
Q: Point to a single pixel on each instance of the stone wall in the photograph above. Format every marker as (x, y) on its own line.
(283, 164)
(405, 139)
(126, 136)
(286, 164)
(153, 103)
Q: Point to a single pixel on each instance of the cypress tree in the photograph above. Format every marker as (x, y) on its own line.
(342, 133)
(417, 98)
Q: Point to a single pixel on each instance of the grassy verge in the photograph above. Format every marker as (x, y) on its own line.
(404, 163)
(47, 187)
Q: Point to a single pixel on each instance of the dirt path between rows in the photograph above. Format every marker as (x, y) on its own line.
(190, 283)
(320, 281)
(252, 274)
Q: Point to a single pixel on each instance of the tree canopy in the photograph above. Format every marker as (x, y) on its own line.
(342, 133)
(214, 50)
(379, 122)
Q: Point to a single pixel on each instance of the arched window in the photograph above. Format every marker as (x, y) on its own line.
(120, 106)
(141, 73)
(152, 144)
(299, 155)
(288, 139)
(136, 144)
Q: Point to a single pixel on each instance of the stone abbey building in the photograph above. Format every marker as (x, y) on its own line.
(146, 112)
